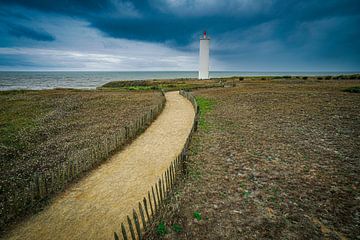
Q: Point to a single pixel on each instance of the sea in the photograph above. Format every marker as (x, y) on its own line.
(17, 80)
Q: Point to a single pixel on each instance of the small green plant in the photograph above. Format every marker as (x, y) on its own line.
(355, 89)
(161, 229)
(177, 228)
(197, 215)
(246, 193)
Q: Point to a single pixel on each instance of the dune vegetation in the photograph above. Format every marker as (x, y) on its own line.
(42, 130)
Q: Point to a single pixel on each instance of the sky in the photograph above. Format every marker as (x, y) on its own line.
(163, 35)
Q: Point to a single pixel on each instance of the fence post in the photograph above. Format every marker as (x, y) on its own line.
(123, 230)
(131, 229)
(157, 194)
(166, 183)
(151, 208)
(116, 237)
(161, 196)
(142, 215)
(137, 224)
(155, 207)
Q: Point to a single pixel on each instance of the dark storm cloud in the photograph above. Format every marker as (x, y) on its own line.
(267, 29)
(22, 31)
(161, 20)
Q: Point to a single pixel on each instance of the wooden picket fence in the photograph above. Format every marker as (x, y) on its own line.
(46, 183)
(147, 209)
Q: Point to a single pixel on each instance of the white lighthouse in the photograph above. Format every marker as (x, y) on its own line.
(204, 57)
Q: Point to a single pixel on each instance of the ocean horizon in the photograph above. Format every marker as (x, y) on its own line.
(37, 80)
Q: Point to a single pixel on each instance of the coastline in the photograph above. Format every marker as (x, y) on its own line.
(33, 80)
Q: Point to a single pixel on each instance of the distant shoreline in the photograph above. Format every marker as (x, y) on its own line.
(24, 80)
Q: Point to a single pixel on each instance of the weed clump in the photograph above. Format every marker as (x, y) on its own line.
(197, 215)
(161, 229)
(355, 89)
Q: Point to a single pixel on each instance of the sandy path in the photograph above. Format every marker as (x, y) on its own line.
(95, 206)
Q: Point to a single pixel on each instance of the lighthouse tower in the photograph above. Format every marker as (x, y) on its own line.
(204, 57)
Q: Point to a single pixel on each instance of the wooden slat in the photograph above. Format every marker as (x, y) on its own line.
(131, 228)
(123, 230)
(157, 194)
(146, 209)
(169, 176)
(160, 188)
(155, 205)
(116, 237)
(168, 179)
(166, 183)
(149, 198)
(141, 210)
(172, 172)
(137, 225)
(163, 185)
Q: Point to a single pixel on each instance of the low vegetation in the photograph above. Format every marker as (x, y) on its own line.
(40, 130)
(353, 89)
(280, 161)
(193, 84)
(205, 105)
(274, 157)
(171, 85)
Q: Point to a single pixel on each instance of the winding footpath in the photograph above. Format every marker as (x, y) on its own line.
(96, 205)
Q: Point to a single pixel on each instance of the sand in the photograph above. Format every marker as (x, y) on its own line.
(94, 207)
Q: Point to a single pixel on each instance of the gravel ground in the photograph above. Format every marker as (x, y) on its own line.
(273, 159)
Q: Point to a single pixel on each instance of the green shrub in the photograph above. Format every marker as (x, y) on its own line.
(161, 229)
(355, 89)
(197, 215)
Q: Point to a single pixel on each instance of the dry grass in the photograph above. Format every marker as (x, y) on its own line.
(192, 84)
(275, 160)
(41, 129)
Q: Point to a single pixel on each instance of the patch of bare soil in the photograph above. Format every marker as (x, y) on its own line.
(278, 160)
